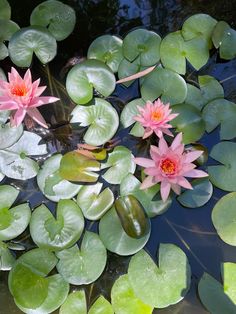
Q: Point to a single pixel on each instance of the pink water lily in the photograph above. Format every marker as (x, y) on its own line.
(154, 117)
(170, 166)
(22, 96)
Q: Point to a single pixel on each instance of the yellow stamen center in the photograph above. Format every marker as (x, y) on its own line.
(168, 166)
(19, 90)
(157, 115)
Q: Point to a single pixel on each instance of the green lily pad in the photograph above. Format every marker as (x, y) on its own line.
(130, 110)
(115, 238)
(7, 29)
(8, 195)
(127, 69)
(199, 25)
(77, 265)
(224, 218)
(124, 300)
(131, 185)
(194, 97)
(213, 296)
(199, 196)
(83, 78)
(74, 304)
(77, 167)
(6, 258)
(164, 285)
(174, 52)
(229, 277)
(108, 49)
(57, 233)
(57, 16)
(189, 121)
(120, 163)
(51, 184)
(165, 83)
(221, 112)
(211, 89)
(9, 135)
(137, 130)
(29, 40)
(94, 203)
(101, 306)
(101, 118)
(144, 44)
(5, 10)
(224, 37)
(223, 175)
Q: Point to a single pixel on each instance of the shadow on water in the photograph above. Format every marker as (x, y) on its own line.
(191, 229)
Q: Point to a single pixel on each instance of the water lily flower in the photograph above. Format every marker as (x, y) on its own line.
(22, 96)
(154, 117)
(170, 166)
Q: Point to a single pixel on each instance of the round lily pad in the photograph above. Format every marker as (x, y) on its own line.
(75, 303)
(77, 265)
(51, 184)
(108, 49)
(7, 29)
(57, 16)
(224, 218)
(144, 44)
(189, 122)
(165, 83)
(101, 118)
(57, 233)
(5, 10)
(130, 110)
(127, 69)
(223, 175)
(8, 195)
(29, 40)
(221, 112)
(164, 285)
(115, 238)
(199, 196)
(224, 37)
(210, 88)
(9, 135)
(94, 203)
(101, 306)
(124, 300)
(174, 52)
(91, 74)
(120, 163)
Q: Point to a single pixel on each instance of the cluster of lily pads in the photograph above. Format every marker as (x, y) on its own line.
(100, 181)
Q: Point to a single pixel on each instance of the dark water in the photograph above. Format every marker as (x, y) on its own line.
(191, 229)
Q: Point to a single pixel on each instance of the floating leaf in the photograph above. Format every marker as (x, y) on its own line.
(165, 83)
(124, 300)
(57, 233)
(108, 49)
(144, 44)
(189, 122)
(115, 238)
(57, 16)
(132, 216)
(7, 29)
(29, 40)
(224, 218)
(194, 97)
(211, 89)
(51, 184)
(101, 306)
(77, 265)
(164, 285)
(120, 162)
(6, 258)
(75, 303)
(8, 195)
(213, 297)
(174, 52)
(224, 37)
(131, 185)
(101, 118)
(137, 130)
(199, 196)
(199, 25)
(229, 277)
(9, 135)
(224, 176)
(223, 112)
(130, 110)
(127, 69)
(89, 75)
(94, 203)
(5, 10)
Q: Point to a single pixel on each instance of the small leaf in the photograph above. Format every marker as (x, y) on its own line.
(127, 69)
(194, 97)
(74, 304)
(8, 195)
(6, 258)
(229, 277)
(130, 110)
(9, 135)
(5, 10)
(101, 306)
(7, 29)
(211, 89)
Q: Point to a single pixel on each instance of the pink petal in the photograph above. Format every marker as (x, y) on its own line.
(147, 183)
(18, 117)
(152, 171)
(36, 116)
(8, 105)
(147, 133)
(165, 190)
(28, 78)
(176, 188)
(177, 141)
(44, 100)
(191, 156)
(14, 76)
(144, 162)
(184, 183)
(196, 174)
(163, 147)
